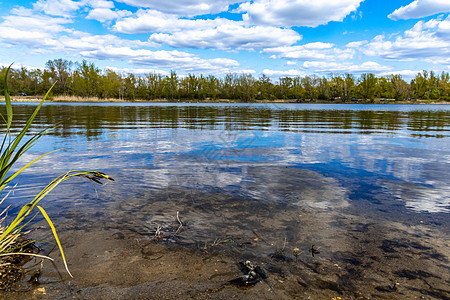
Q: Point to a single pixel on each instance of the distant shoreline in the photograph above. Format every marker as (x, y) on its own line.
(65, 99)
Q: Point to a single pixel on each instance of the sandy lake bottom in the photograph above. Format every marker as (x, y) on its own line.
(364, 252)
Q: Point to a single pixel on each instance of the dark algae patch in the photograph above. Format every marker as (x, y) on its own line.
(11, 266)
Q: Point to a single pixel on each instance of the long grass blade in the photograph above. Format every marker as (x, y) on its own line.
(44, 213)
(8, 105)
(28, 254)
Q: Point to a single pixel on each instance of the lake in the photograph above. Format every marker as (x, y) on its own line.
(331, 199)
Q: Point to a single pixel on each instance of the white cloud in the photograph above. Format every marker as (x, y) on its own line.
(30, 22)
(408, 74)
(103, 11)
(81, 41)
(148, 21)
(216, 33)
(230, 36)
(283, 73)
(297, 12)
(184, 7)
(421, 8)
(137, 71)
(429, 41)
(31, 30)
(180, 61)
(100, 4)
(356, 44)
(311, 51)
(106, 14)
(366, 67)
(63, 8)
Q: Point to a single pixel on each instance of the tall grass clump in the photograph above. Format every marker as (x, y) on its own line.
(12, 147)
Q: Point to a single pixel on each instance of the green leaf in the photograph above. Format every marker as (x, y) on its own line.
(44, 213)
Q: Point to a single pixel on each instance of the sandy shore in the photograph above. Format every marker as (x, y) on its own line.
(112, 100)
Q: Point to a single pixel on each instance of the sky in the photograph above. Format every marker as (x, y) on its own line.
(273, 37)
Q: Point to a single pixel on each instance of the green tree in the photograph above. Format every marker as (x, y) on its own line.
(130, 85)
(229, 87)
(400, 88)
(309, 84)
(420, 85)
(349, 87)
(170, 86)
(367, 86)
(323, 89)
(86, 80)
(189, 87)
(284, 90)
(336, 87)
(60, 70)
(246, 87)
(111, 85)
(444, 86)
(154, 85)
(213, 85)
(264, 88)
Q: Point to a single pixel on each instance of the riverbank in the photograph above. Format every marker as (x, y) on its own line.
(113, 100)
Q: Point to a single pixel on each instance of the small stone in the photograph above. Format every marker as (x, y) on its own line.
(40, 290)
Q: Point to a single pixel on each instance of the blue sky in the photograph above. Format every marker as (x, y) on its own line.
(272, 37)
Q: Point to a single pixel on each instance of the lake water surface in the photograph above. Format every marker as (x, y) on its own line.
(367, 185)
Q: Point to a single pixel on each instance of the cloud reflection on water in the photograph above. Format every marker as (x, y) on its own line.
(216, 146)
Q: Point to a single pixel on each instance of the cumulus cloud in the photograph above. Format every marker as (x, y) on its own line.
(425, 41)
(297, 12)
(176, 60)
(63, 8)
(356, 44)
(104, 14)
(81, 41)
(283, 73)
(137, 71)
(26, 20)
(366, 67)
(216, 33)
(408, 74)
(183, 7)
(30, 30)
(103, 11)
(311, 51)
(100, 3)
(230, 36)
(420, 9)
(147, 21)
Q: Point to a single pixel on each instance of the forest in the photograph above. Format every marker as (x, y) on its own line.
(84, 79)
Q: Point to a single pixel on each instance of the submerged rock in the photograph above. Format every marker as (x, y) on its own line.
(252, 274)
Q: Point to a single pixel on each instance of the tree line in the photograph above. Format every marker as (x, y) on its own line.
(84, 79)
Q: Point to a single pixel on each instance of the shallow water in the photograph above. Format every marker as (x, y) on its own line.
(366, 184)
